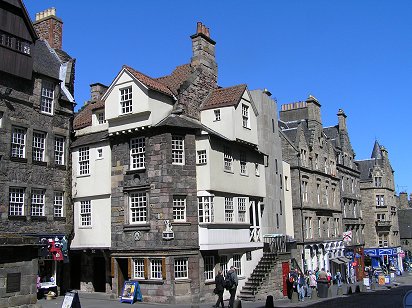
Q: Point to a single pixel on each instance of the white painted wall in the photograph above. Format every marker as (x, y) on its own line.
(287, 192)
(144, 102)
(98, 235)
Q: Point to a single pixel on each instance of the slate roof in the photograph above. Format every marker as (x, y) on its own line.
(84, 117)
(149, 81)
(224, 97)
(44, 62)
(405, 220)
(376, 152)
(90, 139)
(366, 166)
(176, 78)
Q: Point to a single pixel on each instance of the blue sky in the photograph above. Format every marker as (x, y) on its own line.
(353, 55)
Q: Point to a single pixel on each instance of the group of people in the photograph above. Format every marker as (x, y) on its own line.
(229, 282)
(306, 283)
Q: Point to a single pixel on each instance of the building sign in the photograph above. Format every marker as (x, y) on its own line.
(347, 236)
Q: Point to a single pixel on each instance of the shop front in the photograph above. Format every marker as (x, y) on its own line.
(386, 259)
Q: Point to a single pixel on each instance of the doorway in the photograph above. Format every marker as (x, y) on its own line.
(99, 274)
(122, 273)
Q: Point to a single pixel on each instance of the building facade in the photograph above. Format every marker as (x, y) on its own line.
(36, 110)
(380, 210)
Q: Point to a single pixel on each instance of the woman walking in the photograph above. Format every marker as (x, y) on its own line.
(219, 281)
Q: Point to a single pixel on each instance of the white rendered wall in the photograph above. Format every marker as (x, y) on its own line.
(287, 192)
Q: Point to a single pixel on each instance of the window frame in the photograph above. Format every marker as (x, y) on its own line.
(179, 208)
(84, 161)
(209, 268)
(47, 97)
(58, 204)
(18, 142)
(227, 159)
(245, 116)
(201, 157)
(237, 263)
(241, 209)
(242, 163)
(229, 210)
(137, 153)
(178, 150)
(138, 210)
(155, 268)
(138, 267)
(217, 115)
(85, 213)
(205, 209)
(17, 201)
(126, 100)
(38, 146)
(59, 148)
(181, 271)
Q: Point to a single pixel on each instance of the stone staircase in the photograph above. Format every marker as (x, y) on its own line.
(259, 277)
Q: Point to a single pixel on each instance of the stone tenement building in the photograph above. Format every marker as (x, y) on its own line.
(317, 213)
(349, 175)
(36, 108)
(405, 222)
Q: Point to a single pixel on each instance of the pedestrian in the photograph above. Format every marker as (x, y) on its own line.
(232, 277)
(301, 287)
(219, 289)
(338, 278)
(291, 282)
(312, 282)
(307, 280)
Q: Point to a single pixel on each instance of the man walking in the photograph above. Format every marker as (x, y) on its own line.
(232, 277)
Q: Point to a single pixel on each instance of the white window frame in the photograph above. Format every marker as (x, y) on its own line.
(138, 268)
(155, 268)
(304, 191)
(201, 157)
(209, 268)
(18, 142)
(37, 202)
(320, 227)
(126, 100)
(85, 213)
(138, 209)
(380, 200)
(242, 162)
(84, 161)
(181, 268)
(206, 211)
(59, 145)
(227, 159)
(378, 181)
(229, 210)
(138, 153)
(16, 201)
(237, 263)
(100, 118)
(47, 97)
(241, 209)
(224, 262)
(58, 204)
(383, 240)
(245, 116)
(38, 146)
(99, 152)
(179, 208)
(217, 114)
(178, 150)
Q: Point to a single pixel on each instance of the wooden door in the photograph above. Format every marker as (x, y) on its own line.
(285, 272)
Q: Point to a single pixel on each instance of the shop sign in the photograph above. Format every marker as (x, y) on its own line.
(347, 236)
(131, 292)
(354, 263)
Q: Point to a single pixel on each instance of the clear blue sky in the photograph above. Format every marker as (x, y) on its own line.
(354, 55)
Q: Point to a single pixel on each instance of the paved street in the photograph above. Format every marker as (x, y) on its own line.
(379, 298)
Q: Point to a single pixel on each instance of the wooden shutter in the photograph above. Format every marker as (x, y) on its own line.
(164, 268)
(129, 268)
(146, 268)
(112, 265)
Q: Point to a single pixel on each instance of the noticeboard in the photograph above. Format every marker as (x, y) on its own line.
(71, 300)
(131, 292)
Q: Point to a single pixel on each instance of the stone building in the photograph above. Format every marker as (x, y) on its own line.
(379, 206)
(349, 174)
(317, 212)
(185, 191)
(405, 223)
(36, 109)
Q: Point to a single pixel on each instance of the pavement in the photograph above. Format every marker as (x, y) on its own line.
(101, 300)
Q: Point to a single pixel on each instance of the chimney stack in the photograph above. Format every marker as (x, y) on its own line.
(342, 120)
(403, 200)
(49, 27)
(96, 91)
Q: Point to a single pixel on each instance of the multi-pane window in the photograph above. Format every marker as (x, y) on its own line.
(327, 195)
(38, 146)
(205, 205)
(336, 227)
(319, 227)
(126, 100)
(138, 207)
(84, 161)
(229, 209)
(201, 157)
(245, 116)
(37, 202)
(181, 268)
(328, 226)
(16, 201)
(318, 192)
(223, 264)
(100, 118)
(380, 200)
(217, 115)
(243, 163)
(137, 153)
(303, 157)
(378, 181)
(59, 150)
(85, 213)
(58, 204)
(237, 263)
(18, 142)
(138, 268)
(156, 268)
(47, 96)
(333, 196)
(308, 227)
(257, 172)
(380, 217)
(209, 267)
(383, 240)
(178, 152)
(241, 209)
(304, 191)
(179, 208)
(228, 159)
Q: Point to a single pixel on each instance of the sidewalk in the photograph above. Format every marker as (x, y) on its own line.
(101, 300)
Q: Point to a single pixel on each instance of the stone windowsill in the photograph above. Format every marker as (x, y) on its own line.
(131, 228)
(39, 163)
(15, 217)
(57, 218)
(184, 280)
(18, 159)
(149, 281)
(38, 218)
(181, 223)
(61, 167)
(135, 171)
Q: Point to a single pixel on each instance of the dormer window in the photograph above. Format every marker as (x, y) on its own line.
(217, 115)
(126, 100)
(245, 116)
(47, 97)
(100, 118)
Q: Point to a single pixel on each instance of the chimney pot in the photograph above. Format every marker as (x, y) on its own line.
(199, 27)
